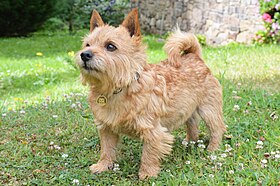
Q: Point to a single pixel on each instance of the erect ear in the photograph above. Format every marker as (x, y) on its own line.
(131, 22)
(95, 20)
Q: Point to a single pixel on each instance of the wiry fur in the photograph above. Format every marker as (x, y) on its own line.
(179, 90)
(181, 43)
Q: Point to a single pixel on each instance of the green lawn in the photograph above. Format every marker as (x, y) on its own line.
(47, 134)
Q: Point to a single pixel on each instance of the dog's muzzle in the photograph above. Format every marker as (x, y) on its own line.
(86, 56)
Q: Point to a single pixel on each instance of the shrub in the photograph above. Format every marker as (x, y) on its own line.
(54, 24)
(76, 13)
(20, 17)
(270, 11)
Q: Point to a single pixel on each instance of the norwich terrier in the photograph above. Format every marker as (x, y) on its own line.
(130, 97)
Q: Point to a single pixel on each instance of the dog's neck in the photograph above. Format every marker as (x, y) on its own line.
(109, 89)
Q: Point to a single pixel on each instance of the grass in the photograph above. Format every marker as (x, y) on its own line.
(47, 135)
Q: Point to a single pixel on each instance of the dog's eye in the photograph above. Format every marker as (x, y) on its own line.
(87, 45)
(110, 47)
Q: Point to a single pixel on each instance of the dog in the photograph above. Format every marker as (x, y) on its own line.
(130, 97)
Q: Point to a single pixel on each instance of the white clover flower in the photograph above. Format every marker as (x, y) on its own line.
(241, 166)
(76, 182)
(199, 141)
(219, 164)
(202, 146)
(185, 143)
(213, 157)
(259, 147)
(192, 142)
(259, 143)
(223, 155)
(79, 94)
(55, 116)
(73, 105)
(264, 161)
(231, 172)
(57, 147)
(236, 108)
(116, 167)
(48, 99)
(273, 116)
(228, 148)
(188, 162)
(4, 115)
(79, 104)
(263, 165)
(211, 176)
(277, 156)
(51, 143)
(64, 155)
(22, 112)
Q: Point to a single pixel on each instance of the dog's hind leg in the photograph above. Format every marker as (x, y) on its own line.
(211, 112)
(192, 127)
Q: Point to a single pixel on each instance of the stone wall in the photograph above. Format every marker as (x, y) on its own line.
(221, 21)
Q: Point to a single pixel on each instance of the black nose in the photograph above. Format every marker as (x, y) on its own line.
(86, 56)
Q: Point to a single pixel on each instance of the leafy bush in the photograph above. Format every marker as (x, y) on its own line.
(54, 24)
(20, 17)
(76, 13)
(270, 10)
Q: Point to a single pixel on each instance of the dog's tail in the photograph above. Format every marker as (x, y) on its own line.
(179, 44)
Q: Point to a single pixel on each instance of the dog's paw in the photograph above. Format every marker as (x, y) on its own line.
(100, 167)
(212, 147)
(150, 172)
(143, 175)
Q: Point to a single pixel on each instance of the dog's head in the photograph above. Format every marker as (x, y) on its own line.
(112, 54)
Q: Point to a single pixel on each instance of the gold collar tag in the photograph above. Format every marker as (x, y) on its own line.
(101, 100)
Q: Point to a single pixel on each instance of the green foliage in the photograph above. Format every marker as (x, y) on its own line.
(270, 10)
(202, 39)
(54, 24)
(76, 13)
(20, 17)
(48, 136)
(267, 5)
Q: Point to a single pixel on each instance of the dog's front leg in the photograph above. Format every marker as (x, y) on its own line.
(108, 142)
(157, 144)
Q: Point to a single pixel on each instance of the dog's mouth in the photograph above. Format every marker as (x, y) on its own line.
(89, 68)
(86, 67)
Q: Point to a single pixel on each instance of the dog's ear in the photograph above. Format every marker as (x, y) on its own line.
(95, 20)
(131, 22)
